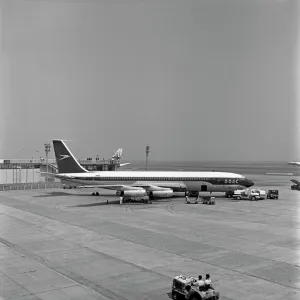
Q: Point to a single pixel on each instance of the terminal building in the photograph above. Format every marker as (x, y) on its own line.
(33, 170)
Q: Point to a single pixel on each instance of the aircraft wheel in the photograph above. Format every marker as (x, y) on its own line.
(97, 194)
(174, 295)
(93, 194)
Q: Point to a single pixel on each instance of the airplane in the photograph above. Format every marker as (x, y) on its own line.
(117, 155)
(154, 184)
(294, 163)
(295, 186)
(116, 158)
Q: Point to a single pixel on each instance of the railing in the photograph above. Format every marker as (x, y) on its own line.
(96, 162)
(53, 161)
(30, 186)
(27, 161)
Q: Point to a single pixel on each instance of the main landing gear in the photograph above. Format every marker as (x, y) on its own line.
(95, 194)
(193, 194)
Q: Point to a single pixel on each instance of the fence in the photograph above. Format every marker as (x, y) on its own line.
(30, 186)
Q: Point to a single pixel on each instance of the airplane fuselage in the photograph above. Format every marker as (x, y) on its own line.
(178, 181)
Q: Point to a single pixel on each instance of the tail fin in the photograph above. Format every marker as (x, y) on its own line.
(295, 181)
(118, 154)
(66, 162)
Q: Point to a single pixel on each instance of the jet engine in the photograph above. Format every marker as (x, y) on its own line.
(160, 194)
(132, 193)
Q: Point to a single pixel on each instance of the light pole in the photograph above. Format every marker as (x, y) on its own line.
(147, 154)
(20, 172)
(33, 169)
(47, 150)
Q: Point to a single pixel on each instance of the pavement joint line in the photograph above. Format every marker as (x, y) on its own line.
(74, 277)
(29, 293)
(243, 273)
(56, 289)
(226, 211)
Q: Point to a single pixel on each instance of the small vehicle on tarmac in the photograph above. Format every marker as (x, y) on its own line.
(249, 194)
(183, 288)
(229, 194)
(296, 185)
(208, 200)
(272, 194)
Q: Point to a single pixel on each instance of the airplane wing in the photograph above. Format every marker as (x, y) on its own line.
(156, 186)
(295, 181)
(124, 164)
(111, 187)
(176, 187)
(294, 163)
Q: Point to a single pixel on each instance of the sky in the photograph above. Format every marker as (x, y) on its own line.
(196, 80)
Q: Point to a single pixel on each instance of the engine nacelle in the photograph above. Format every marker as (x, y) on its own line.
(161, 194)
(132, 193)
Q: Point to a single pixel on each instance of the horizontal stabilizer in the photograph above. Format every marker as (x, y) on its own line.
(124, 164)
(295, 181)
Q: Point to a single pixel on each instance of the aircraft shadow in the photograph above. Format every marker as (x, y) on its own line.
(118, 202)
(97, 204)
(53, 194)
(57, 194)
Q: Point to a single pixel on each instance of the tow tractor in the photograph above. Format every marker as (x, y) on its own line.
(204, 199)
(191, 194)
(183, 288)
(229, 194)
(272, 194)
(208, 200)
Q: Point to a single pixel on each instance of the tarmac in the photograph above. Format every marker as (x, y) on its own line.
(66, 244)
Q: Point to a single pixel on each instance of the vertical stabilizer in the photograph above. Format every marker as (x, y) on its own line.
(66, 162)
(118, 154)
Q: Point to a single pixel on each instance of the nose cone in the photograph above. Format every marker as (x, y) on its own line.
(248, 183)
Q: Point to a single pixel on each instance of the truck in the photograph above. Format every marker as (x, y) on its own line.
(249, 194)
(262, 194)
(272, 194)
(183, 288)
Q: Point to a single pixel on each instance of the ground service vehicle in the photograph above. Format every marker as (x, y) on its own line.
(238, 194)
(262, 194)
(182, 288)
(229, 194)
(272, 194)
(208, 200)
(295, 187)
(248, 194)
(144, 199)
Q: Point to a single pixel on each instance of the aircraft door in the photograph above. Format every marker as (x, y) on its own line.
(203, 188)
